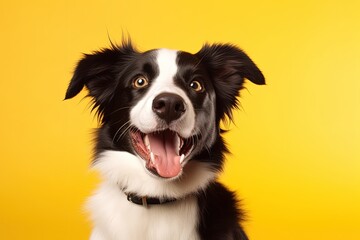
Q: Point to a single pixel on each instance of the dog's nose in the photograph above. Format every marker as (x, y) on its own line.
(168, 106)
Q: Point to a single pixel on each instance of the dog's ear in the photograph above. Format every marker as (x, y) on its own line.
(97, 72)
(228, 66)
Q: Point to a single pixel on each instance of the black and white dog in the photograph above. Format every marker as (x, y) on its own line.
(159, 146)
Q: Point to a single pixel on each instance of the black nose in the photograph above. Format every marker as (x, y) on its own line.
(168, 106)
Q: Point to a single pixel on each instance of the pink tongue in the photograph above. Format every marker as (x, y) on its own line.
(166, 162)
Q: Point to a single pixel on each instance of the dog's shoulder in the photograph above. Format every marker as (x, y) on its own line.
(220, 215)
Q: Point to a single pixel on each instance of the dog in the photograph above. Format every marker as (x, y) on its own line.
(159, 145)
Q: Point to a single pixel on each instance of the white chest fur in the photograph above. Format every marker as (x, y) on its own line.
(115, 218)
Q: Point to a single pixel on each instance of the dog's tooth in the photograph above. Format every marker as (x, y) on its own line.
(181, 143)
(177, 143)
(152, 157)
(147, 142)
(182, 158)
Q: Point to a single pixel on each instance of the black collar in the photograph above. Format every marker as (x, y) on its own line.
(145, 201)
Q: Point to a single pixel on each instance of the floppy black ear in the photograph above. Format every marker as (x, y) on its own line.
(228, 66)
(97, 72)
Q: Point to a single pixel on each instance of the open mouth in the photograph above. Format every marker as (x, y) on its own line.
(164, 151)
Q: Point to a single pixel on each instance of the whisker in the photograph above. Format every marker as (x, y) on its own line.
(114, 123)
(124, 132)
(121, 127)
(119, 109)
(201, 59)
(199, 136)
(208, 150)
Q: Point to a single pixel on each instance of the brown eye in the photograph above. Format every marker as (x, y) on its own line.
(196, 86)
(140, 82)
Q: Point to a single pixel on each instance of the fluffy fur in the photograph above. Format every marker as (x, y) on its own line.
(159, 137)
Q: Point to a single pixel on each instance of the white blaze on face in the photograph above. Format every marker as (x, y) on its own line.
(142, 115)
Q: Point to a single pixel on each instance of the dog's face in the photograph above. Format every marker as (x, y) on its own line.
(164, 106)
(174, 118)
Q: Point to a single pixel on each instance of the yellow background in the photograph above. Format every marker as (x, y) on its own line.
(296, 142)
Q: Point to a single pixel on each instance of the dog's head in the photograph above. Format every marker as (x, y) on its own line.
(164, 106)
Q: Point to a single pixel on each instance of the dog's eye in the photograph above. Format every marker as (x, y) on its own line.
(196, 86)
(140, 82)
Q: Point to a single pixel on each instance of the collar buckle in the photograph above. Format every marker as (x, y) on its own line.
(144, 202)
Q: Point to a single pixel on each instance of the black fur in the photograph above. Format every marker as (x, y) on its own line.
(108, 74)
(105, 73)
(228, 66)
(219, 214)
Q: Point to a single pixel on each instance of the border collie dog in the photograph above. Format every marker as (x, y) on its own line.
(159, 147)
